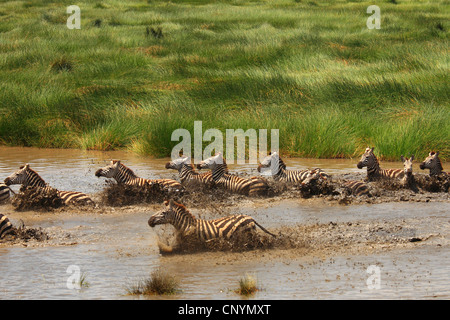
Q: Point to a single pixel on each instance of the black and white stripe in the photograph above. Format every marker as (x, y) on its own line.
(4, 193)
(124, 175)
(187, 172)
(374, 172)
(177, 215)
(280, 173)
(222, 178)
(27, 177)
(5, 225)
(357, 188)
(433, 163)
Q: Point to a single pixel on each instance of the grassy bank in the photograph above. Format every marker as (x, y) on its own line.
(311, 69)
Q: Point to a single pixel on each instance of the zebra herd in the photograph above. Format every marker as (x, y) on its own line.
(219, 176)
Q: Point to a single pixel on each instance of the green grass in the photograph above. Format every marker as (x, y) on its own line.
(248, 285)
(159, 283)
(311, 69)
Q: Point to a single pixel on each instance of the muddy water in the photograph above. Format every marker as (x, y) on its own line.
(114, 247)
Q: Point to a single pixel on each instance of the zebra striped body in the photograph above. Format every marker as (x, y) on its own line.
(177, 215)
(124, 175)
(27, 177)
(314, 174)
(280, 173)
(219, 170)
(374, 172)
(357, 188)
(187, 172)
(433, 163)
(5, 225)
(4, 192)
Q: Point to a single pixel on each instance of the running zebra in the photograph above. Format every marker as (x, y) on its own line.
(5, 225)
(374, 172)
(219, 170)
(187, 172)
(280, 173)
(124, 175)
(27, 177)
(4, 192)
(433, 163)
(177, 215)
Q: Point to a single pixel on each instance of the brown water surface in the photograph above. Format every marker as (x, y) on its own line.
(113, 247)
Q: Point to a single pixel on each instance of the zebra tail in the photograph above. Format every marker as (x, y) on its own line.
(264, 229)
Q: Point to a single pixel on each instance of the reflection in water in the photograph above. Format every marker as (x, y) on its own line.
(117, 248)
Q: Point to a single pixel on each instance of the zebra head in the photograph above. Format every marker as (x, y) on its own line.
(433, 163)
(212, 162)
(18, 177)
(175, 214)
(109, 171)
(177, 164)
(408, 165)
(273, 161)
(367, 158)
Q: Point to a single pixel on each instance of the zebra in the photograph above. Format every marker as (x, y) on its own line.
(5, 226)
(27, 177)
(357, 188)
(187, 172)
(314, 174)
(374, 172)
(408, 169)
(124, 175)
(221, 177)
(4, 192)
(186, 223)
(433, 163)
(280, 173)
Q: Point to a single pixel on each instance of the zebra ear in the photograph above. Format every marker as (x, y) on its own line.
(372, 149)
(118, 163)
(26, 166)
(402, 158)
(411, 158)
(437, 153)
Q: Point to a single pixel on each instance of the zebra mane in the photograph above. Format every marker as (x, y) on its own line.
(34, 173)
(281, 163)
(439, 163)
(183, 209)
(127, 170)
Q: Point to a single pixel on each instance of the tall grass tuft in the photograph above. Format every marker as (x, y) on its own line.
(248, 285)
(159, 283)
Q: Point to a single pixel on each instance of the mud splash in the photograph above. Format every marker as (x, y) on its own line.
(117, 195)
(320, 238)
(23, 235)
(39, 199)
